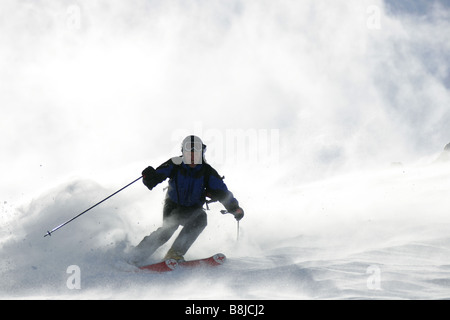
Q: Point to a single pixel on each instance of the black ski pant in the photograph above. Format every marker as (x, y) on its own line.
(193, 221)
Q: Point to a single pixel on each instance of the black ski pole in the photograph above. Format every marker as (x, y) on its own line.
(225, 212)
(49, 233)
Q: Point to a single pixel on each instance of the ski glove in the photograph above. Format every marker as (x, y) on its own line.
(238, 213)
(149, 177)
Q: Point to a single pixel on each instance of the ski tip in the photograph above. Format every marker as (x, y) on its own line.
(47, 234)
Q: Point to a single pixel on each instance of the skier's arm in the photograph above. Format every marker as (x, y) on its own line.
(152, 177)
(219, 191)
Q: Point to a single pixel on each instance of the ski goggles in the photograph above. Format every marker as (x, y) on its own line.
(193, 146)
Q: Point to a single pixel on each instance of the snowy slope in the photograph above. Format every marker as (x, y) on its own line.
(363, 235)
(291, 98)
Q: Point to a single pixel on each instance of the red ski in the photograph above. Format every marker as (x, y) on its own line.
(164, 266)
(171, 264)
(215, 260)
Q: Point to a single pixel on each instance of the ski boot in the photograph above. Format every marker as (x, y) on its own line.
(172, 254)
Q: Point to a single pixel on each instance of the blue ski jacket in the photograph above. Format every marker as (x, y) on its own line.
(188, 187)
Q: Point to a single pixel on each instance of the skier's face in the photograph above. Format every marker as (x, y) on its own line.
(192, 151)
(192, 158)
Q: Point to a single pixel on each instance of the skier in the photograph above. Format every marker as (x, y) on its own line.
(191, 179)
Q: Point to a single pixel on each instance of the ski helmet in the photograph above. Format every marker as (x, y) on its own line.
(193, 150)
(193, 143)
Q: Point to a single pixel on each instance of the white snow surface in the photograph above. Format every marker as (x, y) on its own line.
(364, 235)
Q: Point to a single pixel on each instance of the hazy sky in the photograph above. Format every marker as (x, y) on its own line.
(100, 89)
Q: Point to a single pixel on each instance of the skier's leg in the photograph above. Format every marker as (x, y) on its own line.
(193, 226)
(156, 239)
(152, 242)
